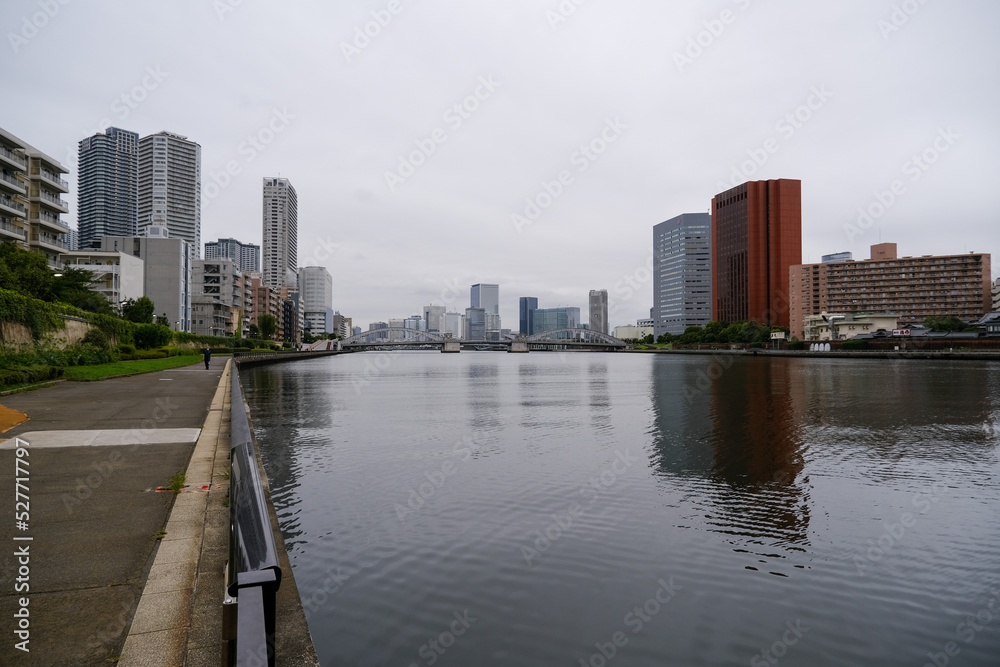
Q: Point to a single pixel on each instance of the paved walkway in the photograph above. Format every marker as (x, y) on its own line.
(120, 570)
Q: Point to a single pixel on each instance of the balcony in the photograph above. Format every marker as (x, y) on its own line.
(9, 232)
(51, 200)
(10, 183)
(47, 241)
(8, 205)
(49, 221)
(53, 179)
(8, 157)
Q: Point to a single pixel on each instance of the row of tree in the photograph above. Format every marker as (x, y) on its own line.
(722, 332)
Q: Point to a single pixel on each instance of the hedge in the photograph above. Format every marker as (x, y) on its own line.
(29, 374)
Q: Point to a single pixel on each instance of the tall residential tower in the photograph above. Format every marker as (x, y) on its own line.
(281, 225)
(170, 187)
(108, 186)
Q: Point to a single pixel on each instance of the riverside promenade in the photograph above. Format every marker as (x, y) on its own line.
(119, 569)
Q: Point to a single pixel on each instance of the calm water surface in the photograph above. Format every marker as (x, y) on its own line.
(614, 509)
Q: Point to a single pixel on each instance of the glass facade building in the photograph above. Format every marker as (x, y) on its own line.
(682, 273)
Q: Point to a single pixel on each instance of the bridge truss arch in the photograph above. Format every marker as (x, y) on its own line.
(393, 335)
(588, 335)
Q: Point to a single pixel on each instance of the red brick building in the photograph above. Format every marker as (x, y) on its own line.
(756, 238)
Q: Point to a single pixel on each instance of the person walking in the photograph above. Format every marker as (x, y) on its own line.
(207, 353)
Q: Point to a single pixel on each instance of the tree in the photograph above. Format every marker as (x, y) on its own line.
(665, 338)
(162, 319)
(74, 287)
(254, 332)
(25, 272)
(267, 324)
(139, 310)
(947, 323)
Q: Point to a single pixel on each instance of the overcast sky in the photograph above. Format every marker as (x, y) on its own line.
(673, 101)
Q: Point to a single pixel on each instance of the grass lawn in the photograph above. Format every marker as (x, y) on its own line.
(123, 368)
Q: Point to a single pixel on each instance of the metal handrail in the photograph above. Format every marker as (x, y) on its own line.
(254, 570)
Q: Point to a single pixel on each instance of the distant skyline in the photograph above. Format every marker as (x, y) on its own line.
(525, 145)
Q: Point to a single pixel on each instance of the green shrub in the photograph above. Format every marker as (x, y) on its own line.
(126, 349)
(97, 338)
(151, 335)
(854, 345)
(796, 345)
(29, 374)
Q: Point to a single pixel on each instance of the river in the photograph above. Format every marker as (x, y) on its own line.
(637, 510)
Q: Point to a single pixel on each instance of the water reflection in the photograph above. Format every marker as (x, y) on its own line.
(729, 429)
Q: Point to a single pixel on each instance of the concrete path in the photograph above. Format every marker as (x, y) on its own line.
(95, 515)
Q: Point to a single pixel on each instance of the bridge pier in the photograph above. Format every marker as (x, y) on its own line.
(451, 347)
(518, 346)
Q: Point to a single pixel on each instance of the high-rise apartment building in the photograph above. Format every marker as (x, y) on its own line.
(526, 304)
(108, 182)
(598, 310)
(218, 298)
(167, 272)
(682, 273)
(996, 296)
(756, 237)
(170, 187)
(281, 225)
(316, 287)
(912, 288)
(246, 255)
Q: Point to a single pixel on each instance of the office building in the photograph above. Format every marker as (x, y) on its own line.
(487, 297)
(434, 316)
(756, 237)
(316, 287)
(682, 273)
(633, 331)
(117, 275)
(246, 255)
(551, 319)
(264, 301)
(166, 275)
(454, 323)
(108, 186)
(837, 257)
(280, 246)
(912, 288)
(475, 324)
(343, 326)
(598, 311)
(30, 201)
(526, 304)
(170, 187)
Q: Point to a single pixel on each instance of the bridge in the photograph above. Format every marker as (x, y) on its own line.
(400, 337)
